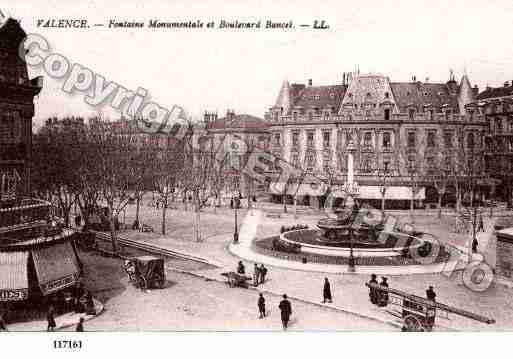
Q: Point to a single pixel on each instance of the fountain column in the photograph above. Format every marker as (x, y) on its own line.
(350, 169)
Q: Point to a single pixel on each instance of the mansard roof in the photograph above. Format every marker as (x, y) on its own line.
(318, 96)
(239, 122)
(494, 92)
(420, 94)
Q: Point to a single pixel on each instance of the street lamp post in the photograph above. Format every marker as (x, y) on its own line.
(236, 203)
(352, 262)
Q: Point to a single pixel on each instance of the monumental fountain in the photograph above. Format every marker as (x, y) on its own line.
(353, 234)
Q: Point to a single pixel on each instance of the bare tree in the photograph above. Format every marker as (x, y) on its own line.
(167, 169)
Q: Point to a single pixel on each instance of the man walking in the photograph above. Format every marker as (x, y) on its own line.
(326, 292)
(3, 324)
(80, 325)
(50, 319)
(261, 305)
(286, 311)
(263, 273)
(240, 268)
(373, 292)
(430, 293)
(256, 275)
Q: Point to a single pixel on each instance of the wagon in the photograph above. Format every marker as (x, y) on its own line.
(146, 271)
(418, 314)
(234, 279)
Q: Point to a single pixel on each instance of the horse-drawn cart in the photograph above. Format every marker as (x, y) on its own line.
(234, 279)
(146, 271)
(418, 314)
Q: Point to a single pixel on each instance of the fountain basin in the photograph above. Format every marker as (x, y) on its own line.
(313, 241)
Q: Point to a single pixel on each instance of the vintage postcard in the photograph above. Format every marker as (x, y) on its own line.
(255, 166)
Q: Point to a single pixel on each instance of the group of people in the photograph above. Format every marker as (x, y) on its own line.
(259, 273)
(377, 296)
(284, 306)
(50, 318)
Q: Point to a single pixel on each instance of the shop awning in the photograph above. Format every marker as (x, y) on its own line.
(392, 192)
(56, 267)
(303, 189)
(13, 276)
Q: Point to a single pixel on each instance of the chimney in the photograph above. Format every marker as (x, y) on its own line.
(310, 82)
(475, 90)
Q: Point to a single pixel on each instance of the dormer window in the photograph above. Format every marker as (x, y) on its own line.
(411, 113)
(387, 95)
(386, 114)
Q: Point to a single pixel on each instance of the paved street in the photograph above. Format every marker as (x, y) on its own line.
(349, 290)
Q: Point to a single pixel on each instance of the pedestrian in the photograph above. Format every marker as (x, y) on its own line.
(3, 324)
(50, 319)
(256, 275)
(474, 245)
(326, 291)
(231, 203)
(261, 305)
(480, 228)
(80, 325)
(78, 221)
(383, 294)
(373, 292)
(240, 268)
(263, 273)
(430, 293)
(286, 311)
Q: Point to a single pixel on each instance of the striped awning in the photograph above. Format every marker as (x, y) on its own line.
(392, 192)
(303, 189)
(56, 267)
(13, 276)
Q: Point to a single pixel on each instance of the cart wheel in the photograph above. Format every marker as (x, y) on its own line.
(412, 324)
(159, 281)
(142, 283)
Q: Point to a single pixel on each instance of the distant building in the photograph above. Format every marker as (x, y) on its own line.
(497, 105)
(17, 94)
(396, 128)
(233, 138)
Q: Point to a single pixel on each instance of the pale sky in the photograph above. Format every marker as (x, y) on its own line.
(243, 69)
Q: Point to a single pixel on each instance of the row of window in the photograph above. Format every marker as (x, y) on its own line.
(11, 127)
(431, 139)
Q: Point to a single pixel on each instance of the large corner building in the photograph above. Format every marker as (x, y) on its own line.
(400, 132)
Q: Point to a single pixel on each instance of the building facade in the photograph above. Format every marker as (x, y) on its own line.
(233, 138)
(401, 132)
(17, 93)
(497, 105)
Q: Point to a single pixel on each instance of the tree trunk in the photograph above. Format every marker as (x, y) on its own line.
(412, 203)
(164, 209)
(138, 204)
(439, 205)
(295, 206)
(383, 203)
(196, 233)
(113, 231)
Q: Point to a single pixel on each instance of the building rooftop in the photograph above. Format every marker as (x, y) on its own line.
(239, 122)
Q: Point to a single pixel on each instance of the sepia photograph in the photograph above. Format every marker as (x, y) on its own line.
(255, 167)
